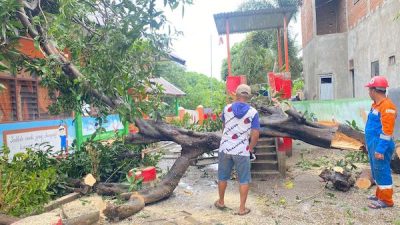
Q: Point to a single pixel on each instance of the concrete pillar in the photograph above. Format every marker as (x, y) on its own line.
(200, 112)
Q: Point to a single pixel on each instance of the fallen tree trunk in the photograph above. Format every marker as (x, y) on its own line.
(274, 123)
(7, 220)
(365, 181)
(395, 162)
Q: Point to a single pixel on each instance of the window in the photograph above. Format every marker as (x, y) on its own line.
(22, 99)
(392, 60)
(351, 64)
(374, 68)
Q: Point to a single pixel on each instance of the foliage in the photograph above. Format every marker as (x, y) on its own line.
(25, 181)
(298, 85)
(308, 164)
(310, 116)
(357, 157)
(135, 184)
(106, 161)
(209, 125)
(353, 124)
(256, 55)
(199, 88)
(113, 44)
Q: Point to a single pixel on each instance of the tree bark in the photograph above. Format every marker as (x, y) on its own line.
(341, 181)
(365, 181)
(274, 123)
(395, 162)
(7, 220)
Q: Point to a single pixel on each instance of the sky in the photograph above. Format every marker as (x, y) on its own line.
(199, 44)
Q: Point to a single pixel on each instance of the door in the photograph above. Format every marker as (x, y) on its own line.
(326, 87)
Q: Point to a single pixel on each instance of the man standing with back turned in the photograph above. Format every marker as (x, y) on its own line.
(379, 140)
(241, 122)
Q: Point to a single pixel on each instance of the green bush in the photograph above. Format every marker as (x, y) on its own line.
(106, 161)
(31, 179)
(25, 181)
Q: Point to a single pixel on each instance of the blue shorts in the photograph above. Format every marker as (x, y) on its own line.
(242, 166)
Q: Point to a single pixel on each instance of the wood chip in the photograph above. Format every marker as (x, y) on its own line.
(89, 180)
(338, 169)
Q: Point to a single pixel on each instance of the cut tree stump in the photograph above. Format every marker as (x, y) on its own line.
(341, 181)
(365, 180)
(395, 162)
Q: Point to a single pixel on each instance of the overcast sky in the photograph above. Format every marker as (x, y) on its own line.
(199, 31)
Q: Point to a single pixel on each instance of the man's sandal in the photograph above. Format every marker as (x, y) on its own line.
(372, 198)
(246, 211)
(378, 204)
(219, 206)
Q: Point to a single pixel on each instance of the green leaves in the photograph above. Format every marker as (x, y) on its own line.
(114, 45)
(199, 88)
(25, 181)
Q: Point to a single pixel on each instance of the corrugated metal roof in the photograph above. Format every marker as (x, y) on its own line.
(169, 89)
(252, 20)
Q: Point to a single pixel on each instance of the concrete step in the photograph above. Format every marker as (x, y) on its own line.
(266, 141)
(265, 148)
(266, 156)
(259, 165)
(263, 174)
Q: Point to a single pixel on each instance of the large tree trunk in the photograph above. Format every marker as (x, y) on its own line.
(274, 123)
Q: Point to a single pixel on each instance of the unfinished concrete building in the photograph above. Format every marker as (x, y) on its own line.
(346, 42)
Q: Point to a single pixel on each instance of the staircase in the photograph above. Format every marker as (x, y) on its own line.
(269, 161)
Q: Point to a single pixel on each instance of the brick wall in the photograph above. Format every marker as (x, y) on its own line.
(307, 21)
(342, 16)
(326, 16)
(346, 18)
(374, 4)
(356, 11)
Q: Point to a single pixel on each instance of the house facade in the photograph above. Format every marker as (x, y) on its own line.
(345, 43)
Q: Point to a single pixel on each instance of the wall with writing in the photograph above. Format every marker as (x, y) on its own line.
(21, 135)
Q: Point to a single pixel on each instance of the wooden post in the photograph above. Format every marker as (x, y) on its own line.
(285, 39)
(228, 48)
(281, 156)
(280, 63)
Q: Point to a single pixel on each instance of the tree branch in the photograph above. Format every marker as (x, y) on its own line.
(68, 68)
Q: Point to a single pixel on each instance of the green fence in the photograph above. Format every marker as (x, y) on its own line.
(340, 110)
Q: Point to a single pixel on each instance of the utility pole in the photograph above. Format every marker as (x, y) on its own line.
(211, 67)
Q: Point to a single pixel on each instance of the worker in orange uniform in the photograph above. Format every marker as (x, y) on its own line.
(378, 136)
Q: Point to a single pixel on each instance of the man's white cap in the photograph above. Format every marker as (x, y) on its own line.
(243, 89)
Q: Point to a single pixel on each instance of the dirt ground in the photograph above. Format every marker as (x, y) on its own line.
(299, 198)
